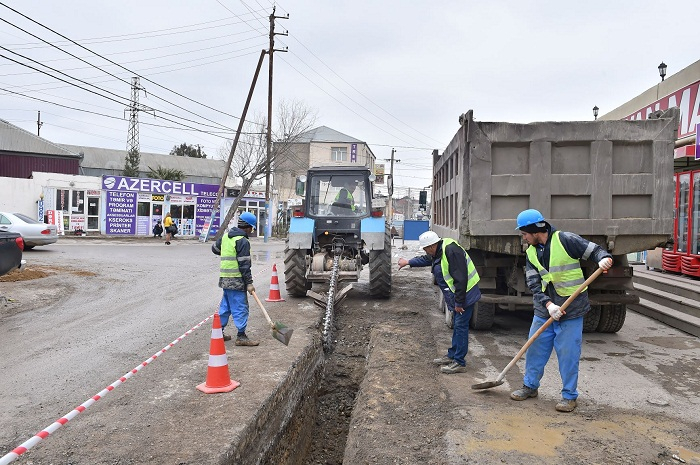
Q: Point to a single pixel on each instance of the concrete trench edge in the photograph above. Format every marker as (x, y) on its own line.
(280, 431)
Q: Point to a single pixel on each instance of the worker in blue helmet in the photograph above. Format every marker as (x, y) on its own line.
(235, 277)
(553, 273)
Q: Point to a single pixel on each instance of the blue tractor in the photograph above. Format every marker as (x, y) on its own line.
(336, 232)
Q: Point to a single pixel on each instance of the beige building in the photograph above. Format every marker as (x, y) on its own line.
(321, 146)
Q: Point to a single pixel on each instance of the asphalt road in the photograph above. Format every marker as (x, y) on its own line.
(106, 306)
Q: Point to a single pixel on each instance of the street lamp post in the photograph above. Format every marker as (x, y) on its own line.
(662, 70)
(595, 112)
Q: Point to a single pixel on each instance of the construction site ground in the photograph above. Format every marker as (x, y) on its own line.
(88, 311)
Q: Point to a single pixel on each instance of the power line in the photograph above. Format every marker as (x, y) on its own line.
(145, 34)
(112, 62)
(103, 90)
(179, 53)
(185, 127)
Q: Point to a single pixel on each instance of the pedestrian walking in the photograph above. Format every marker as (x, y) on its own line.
(235, 277)
(456, 275)
(553, 273)
(168, 225)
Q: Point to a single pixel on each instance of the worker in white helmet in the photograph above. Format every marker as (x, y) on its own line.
(456, 275)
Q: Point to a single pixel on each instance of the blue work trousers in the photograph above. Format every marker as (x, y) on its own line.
(565, 337)
(235, 304)
(460, 329)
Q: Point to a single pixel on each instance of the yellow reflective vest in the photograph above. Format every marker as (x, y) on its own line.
(348, 199)
(229, 261)
(564, 272)
(472, 275)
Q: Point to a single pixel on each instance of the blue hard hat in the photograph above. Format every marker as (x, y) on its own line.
(528, 217)
(248, 218)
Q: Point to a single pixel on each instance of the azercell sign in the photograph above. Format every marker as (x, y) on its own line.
(157, 186)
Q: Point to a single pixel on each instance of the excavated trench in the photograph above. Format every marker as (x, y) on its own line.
(343, 371)
(318, 425)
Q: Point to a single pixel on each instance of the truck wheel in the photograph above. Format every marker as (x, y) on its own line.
(612, 317)
(483, 315)
(295, 272)
(445, 310)
(591, 319)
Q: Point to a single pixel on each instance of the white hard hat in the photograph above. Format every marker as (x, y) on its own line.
(428, 238)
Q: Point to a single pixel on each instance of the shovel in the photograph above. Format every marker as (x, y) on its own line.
(279, 331)
(498, 381)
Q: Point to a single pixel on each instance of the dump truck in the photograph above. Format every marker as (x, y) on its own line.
(609, 181)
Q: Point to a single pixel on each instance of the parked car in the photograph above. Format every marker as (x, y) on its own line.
(33, 232)
(11, 246)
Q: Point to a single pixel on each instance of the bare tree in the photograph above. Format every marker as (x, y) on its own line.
(249, 162)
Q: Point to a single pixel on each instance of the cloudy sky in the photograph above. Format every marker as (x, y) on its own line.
(393, 74)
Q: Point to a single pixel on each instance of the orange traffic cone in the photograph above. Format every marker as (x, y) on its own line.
(274, 287)
(218, 378)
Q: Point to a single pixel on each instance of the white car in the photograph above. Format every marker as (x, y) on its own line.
(33, 232)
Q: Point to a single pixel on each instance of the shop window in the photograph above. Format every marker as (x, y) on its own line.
(143, 209)
(77, 202)
(695, 246)
(683, 211)
(62, 199)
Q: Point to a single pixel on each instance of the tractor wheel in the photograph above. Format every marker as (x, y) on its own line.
(612, 317)
(295, 272)
(380, 270)
(483, 315)
(591, 319)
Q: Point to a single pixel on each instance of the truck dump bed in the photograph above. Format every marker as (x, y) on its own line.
(609, 181)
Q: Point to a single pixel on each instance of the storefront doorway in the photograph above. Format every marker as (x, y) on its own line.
(183, 216)
(93, 210)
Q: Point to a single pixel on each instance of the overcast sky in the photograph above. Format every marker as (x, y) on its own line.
(393, 74)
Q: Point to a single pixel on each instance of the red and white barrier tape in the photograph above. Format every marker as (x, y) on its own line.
(46, 432)
(43, 434)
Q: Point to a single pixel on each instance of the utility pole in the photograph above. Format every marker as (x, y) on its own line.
(132, 140)
(391, 184)
(133, 155)
(39, 124)
(409, 205)
(271, 52)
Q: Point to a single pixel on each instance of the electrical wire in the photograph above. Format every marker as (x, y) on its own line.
(112, 62)
(104, 96)
(143, 35)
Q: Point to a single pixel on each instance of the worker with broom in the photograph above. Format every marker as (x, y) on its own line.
(235, 277)
(553, 273)
(456, 275)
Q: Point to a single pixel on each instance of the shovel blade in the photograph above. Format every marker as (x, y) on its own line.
(487, 384)
(282, 333)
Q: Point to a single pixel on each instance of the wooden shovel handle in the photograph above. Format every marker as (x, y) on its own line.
(267, 317)
(541, 329)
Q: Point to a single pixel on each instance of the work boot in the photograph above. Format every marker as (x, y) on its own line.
(523, 393)
(566, 405)
(453, 367)
(444, 360)
(226, 336)
(244, 341)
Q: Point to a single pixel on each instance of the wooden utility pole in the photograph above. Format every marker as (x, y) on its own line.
(217, 203)
(271, 53)
(390, 188)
